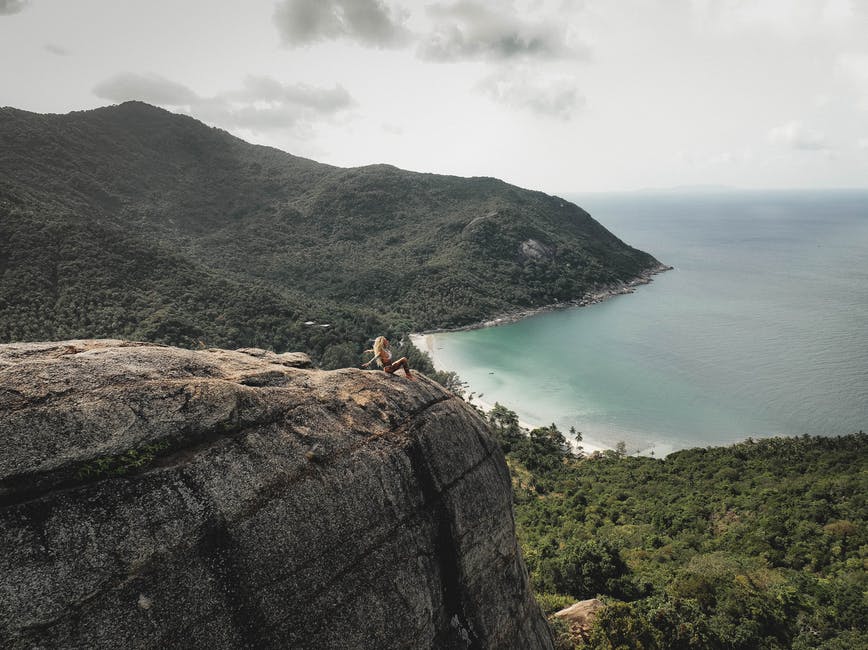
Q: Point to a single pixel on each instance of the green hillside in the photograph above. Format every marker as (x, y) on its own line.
(135, 222)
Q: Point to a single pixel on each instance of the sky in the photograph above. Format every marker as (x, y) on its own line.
(555, 95)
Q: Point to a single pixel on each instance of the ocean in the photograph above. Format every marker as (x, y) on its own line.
(761, 329)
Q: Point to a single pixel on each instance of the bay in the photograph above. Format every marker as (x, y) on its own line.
(761, 329)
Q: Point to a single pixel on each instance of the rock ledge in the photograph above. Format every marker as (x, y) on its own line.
(156, 497)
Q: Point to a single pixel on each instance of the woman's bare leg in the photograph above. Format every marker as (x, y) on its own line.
(400, 363)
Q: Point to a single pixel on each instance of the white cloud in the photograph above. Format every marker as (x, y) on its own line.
(267, 89)
(8, 7)
(369, 22)
(446, 31)
(555, 96)
(261, 104)
(796, 135)
(56, 49)
(151, 88)
(470, 30)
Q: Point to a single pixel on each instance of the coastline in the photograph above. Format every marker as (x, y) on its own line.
(586, 447)
(596, 295)
(424, 341)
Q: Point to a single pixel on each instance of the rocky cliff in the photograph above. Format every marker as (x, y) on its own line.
(156, 497)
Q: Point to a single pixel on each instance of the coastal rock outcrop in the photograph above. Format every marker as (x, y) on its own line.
(580, 616)
(156, 497)
(531, 249)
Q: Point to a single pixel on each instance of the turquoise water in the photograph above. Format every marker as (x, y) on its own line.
(761, 329)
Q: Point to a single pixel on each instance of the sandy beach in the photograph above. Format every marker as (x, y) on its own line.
(424, 341)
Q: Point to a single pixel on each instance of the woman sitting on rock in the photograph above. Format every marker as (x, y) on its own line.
(383, 355)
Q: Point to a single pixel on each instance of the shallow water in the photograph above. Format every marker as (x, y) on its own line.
(761, 329)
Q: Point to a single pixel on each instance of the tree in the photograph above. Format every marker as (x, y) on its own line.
(577, 436)
(584, 569)
(342, 355)
(618, 627)
(504, 425)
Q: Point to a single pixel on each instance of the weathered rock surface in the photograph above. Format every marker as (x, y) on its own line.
(581, 616)
(153, 497)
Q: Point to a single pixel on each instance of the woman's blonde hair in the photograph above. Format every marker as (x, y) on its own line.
(379, 344)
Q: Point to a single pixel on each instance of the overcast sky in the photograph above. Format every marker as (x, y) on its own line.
(557, 95)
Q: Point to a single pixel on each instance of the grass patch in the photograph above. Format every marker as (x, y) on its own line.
(122, 464)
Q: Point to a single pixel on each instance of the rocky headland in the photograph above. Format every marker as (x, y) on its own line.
(596, 294)
(171, 231)
(157, 497)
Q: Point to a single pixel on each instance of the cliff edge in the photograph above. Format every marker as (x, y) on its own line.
(157, 497)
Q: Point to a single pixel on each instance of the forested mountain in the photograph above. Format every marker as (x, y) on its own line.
(134, 222)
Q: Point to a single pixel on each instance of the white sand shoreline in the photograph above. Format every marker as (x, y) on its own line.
(424, 341)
